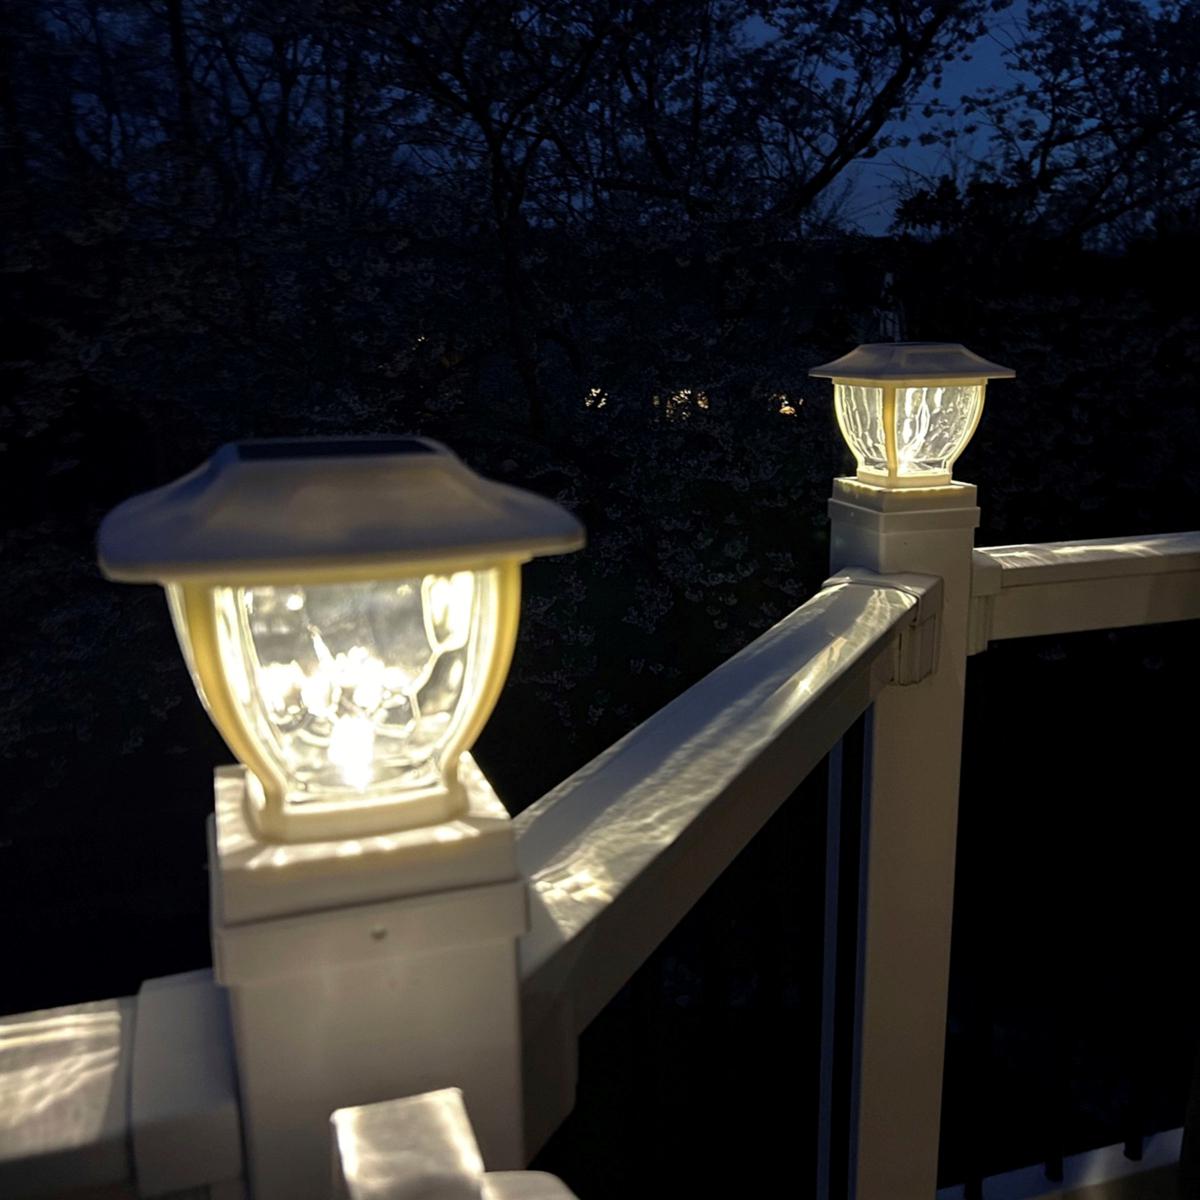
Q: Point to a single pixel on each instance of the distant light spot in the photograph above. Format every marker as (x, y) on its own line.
(679, 404)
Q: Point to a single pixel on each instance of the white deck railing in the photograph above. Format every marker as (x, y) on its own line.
(621, 850)
(1070, 587)
(618, 853)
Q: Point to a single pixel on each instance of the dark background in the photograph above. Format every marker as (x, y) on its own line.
(594, 247)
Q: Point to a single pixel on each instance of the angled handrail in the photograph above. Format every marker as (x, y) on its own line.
(621, 850)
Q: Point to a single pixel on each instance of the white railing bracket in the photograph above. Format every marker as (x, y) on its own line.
(986, 582)
(917, 647)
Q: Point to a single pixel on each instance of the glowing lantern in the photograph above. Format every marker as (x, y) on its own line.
(348, 611)
(908, 409)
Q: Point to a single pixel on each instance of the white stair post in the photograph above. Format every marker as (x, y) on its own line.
(366, 969)
(911, 778)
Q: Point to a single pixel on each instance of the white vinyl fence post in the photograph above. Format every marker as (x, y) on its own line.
(911, 777)
(367, 969)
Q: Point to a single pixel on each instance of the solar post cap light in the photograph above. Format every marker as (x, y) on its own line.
(348, 610)
(908, 409)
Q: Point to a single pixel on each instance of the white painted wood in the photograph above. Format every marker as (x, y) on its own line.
(618, 853)
(416, 1148)
(1104, 1174)
(524, 1185)
(1065, 587)
(354, 1003)
(914, 747)
(64, 1079)
(423, 1148)
(183, 1096)
(1098, 558)
(261, 952)
(266, 879)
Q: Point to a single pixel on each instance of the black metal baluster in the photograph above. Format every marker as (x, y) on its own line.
(845, 844)
(972, 913)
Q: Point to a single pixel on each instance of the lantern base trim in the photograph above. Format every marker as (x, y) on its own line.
(871, 525)
(257, 878)
(904, 483)
(301, 820)
(850, 489)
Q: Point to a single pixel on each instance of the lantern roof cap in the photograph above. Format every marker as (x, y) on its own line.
(911, 361)
(279, 510)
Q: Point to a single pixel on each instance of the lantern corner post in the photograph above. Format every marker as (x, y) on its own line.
(362, 970)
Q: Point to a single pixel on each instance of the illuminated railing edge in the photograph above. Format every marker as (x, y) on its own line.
(620, 851)
(128, 1097)
(1069, 587)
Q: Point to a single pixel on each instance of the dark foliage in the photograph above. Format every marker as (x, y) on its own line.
(594, 247)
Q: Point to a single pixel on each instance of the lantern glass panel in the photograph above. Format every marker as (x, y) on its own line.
(913, 438)
(356, 691)
(933, 425)
(178, 610)
(860, 415)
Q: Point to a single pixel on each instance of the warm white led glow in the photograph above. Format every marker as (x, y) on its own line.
(352, 750)
(348, 610)
(860, 418)
(447, 605)
(356, 691)
(907, 436)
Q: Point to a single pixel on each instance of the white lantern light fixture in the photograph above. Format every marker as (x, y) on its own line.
(348, 610)
(908, 409)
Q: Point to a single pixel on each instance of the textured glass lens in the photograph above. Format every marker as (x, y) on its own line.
(356, 689)
(933, 425)
(860, 415)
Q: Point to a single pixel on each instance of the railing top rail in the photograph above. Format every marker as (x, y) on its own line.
(1069, 587)
(1096, 558)
(618, 852)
